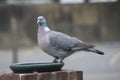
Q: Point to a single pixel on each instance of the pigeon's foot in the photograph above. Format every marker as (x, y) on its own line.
(56, 60)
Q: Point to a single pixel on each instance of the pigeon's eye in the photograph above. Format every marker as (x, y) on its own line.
(41, 19)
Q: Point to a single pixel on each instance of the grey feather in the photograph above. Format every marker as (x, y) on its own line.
(62, 41)
(94, 50)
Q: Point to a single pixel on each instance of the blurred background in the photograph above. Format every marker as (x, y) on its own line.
(93, 21)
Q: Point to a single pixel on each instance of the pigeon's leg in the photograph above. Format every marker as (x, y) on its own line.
(61, 61)
(55, 60)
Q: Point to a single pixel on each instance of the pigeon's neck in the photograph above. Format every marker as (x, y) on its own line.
(46, 29)
(43, 28)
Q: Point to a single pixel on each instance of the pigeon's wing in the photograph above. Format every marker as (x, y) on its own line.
(64, 42)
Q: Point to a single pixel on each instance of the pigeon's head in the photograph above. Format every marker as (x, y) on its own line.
(41, 20)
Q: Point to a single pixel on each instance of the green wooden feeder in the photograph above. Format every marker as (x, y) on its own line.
(36, 67)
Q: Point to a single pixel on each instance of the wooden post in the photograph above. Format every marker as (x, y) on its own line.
(14, 39)
(57, 75)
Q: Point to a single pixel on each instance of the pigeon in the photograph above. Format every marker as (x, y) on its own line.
(58, 44)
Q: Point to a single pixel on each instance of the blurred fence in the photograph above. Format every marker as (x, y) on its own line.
(89, 22)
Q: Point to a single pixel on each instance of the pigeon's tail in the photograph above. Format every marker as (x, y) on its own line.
(95, 51)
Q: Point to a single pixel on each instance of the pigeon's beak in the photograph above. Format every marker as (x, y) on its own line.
(38, 21)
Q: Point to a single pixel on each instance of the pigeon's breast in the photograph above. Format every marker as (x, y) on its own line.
(43, 40)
